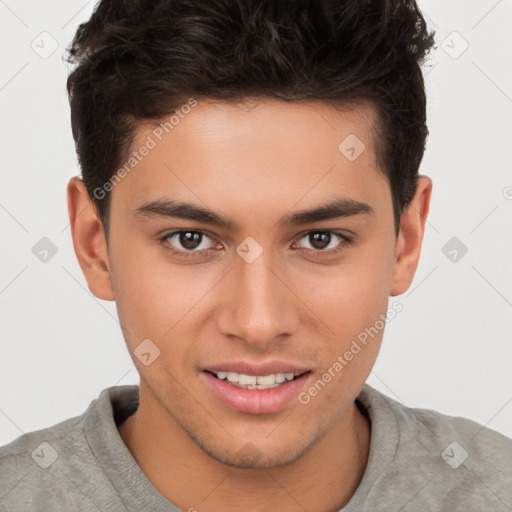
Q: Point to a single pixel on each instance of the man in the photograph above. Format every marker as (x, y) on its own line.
(250, 199)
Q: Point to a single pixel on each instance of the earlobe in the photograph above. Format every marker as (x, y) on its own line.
(89, 240)
(412, 228)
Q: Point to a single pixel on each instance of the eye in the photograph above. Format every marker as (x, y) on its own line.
(188, 241)
(326, 241)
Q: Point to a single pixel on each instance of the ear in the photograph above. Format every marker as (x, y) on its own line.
(412, 228)
(89, 240)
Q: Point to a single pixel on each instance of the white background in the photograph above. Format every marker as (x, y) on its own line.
(448, 350)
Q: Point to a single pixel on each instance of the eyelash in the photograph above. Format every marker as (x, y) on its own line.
(345, 240)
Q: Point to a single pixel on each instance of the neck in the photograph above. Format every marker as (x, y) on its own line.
(324, 478)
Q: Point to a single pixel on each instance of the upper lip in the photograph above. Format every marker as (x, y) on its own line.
(255, 369)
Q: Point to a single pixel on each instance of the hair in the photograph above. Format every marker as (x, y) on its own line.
(140, 60)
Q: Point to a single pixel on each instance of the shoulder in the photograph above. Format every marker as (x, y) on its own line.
(55, 467)
(469, 441)
(34, 466)
(451, 461)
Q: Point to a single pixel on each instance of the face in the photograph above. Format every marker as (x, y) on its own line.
(248, 243)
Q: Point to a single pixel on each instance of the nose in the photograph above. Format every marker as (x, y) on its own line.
(260, 307)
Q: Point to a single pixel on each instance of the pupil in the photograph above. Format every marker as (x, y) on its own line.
(189, 239)
(320, 240)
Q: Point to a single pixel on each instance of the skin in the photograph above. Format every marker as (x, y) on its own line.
(251, 163)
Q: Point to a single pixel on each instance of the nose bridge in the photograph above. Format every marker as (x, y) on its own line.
(260, 307)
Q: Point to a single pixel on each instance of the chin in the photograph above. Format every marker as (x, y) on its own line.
(249, 456)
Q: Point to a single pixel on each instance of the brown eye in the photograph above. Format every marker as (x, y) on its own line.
(188, 241)
(320, 239)
(324, 240)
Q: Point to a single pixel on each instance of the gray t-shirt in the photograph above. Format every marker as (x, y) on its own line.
(419, 460)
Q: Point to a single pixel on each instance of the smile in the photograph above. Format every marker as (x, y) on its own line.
(255, 394)
(260, 382)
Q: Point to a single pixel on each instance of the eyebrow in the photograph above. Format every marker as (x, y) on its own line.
(334, 209)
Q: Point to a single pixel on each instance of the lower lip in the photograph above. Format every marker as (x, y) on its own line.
(256, 401)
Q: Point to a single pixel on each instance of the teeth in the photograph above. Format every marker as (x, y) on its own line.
(266, 379)
(260, 386)
(246, 380)
(255, 382)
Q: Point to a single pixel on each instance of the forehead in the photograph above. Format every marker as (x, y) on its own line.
(264, 120)
(253, 151)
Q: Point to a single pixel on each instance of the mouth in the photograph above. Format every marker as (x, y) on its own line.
(260, 382)
(257, 394)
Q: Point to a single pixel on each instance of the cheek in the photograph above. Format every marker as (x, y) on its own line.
(157, 299)
(155, 304)
(350, 297)
(142, 299)
(147, 297)
(351, 302)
